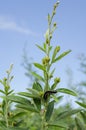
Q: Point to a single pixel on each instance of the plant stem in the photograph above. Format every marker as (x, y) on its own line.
(43, 125)
(6, 112)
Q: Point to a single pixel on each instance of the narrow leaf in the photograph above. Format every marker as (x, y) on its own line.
(34, 92)
(42, 49)
(26, 94)
(49, 110)
(44, 46)
(57, 125)
(28, 107)
(54, 85)
(56, 98)
(14, 128)
(19, 99)
(37, 86)
(37, 76)
(80, 125)
(2, 91)
(10, 92)
(52, 72)
(39, 66)
(56, 50)
(83, 114)
(18, 115)
(62, 55)
(37, 102)
(81, 104)
(65, 114)
(67, 91)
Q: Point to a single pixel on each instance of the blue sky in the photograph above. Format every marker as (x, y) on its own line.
(25, 21)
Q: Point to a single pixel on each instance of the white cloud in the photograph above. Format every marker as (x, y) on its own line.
(7, 24)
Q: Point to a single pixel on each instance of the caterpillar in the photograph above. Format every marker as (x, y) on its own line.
(48, 93)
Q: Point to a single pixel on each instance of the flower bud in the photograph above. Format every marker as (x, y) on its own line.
(57, 80)
(54, 12)
(54, 24)
(45, 60)
(55, 5)
(58, 48)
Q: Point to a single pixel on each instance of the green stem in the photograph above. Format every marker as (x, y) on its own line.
(6, 112)
(48, 66)
(43, 125)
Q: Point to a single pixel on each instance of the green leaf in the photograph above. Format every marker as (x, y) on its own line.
(56, 98)
(62, 55)
(65, 114)
(3, 105)
(67, 91)
(34, 92)
(18, 123)
(10, 92)
(23, 103)
(39, 66)
(2, 91)
(26, 94)
(37, 102)
(37, 76)
(50, 48)
(42, 49)
(18, 115)
(81, 104)
(19, 99)
(2, 124)
(56, 50)
(28, 107)
(13, 128)
(80, 125)
(44, 46)
(51, 73)
(49, 111)
(83, 114)
(37, 86)
(57, 125)
(54, 85)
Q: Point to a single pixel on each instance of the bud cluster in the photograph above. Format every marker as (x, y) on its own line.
(45, 60)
